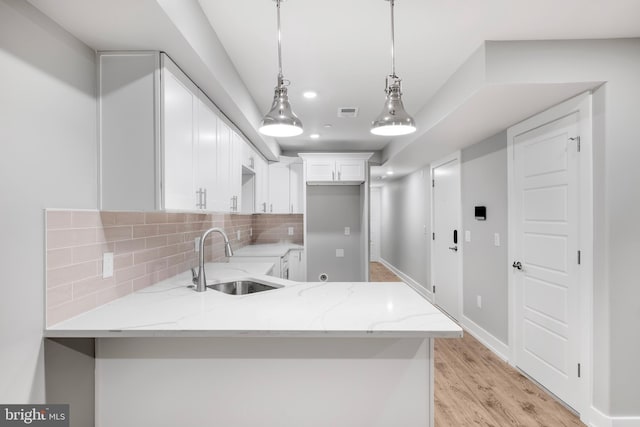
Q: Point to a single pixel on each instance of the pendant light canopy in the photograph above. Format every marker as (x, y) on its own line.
(394, 119)
(280, 121)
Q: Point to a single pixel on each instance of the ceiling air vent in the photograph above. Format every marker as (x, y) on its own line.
(348, 112)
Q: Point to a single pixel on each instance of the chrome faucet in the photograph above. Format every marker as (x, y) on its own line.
(200, 279)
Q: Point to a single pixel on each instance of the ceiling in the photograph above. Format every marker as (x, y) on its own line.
(341, 50)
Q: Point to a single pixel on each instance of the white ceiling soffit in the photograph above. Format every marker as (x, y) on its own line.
(178, 28)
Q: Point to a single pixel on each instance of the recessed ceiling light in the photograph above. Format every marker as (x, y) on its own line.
(389, 172)
(328, 125)
(314, 136)
(310, 94)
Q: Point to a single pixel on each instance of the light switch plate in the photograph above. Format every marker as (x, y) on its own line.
(479, 301)
(467, 235)
(107, 265)
(339, 253)
(238, 234)
(196, 244)
(496, 239)
(347, 231)
(290, 231)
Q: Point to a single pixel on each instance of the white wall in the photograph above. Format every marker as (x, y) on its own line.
(484, 183)
(405, 212)
(48, 158)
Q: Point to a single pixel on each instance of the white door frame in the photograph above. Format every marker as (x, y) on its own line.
(581, 105)
(456, 157)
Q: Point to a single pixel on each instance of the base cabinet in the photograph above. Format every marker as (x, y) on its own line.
(297, 266)
(291, 381)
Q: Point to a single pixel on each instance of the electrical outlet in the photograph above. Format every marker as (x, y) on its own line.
(496, 239)
(237, 234)
(339, 253)
(467, 235)
(251, 232)
(196, 244)
(290, 231)
(107, 265)
(479, 301)
(347, 231)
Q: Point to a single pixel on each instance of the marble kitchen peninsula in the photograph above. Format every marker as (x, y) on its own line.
(312, 354)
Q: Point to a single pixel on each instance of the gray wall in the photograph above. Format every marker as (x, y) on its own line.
(48, 158)
(616, 340)
(331, 208)
(484, 183)
(405, 212)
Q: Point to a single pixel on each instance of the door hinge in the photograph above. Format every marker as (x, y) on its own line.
(434, 289)
(577, 139)
(579, 257)
(433, 182)
(433, 236)
(579, 370)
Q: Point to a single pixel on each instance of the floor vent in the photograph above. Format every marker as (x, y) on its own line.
(348, 112)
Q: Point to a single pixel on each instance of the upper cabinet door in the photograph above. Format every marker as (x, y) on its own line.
(223, 165)
(206, 173)
(321, 170)
(279, 188)
(295, 188)
(179, 101)
(350, 170)
(237, 155)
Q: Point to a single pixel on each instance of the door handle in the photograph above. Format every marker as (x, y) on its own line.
(517, 264)
(454, 248)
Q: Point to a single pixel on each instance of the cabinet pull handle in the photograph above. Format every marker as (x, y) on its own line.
(271, 208)
(231, 207)
(339, 179)
(333, 176)
(205, 199)
(235, 203)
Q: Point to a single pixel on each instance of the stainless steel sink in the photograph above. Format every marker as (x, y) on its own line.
(241, 287)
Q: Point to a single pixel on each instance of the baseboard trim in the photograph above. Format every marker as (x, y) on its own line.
(499, 348)
(598, 419)
(408, 280)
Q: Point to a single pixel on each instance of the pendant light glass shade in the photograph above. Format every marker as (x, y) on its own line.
(280, 121)
(394, 119)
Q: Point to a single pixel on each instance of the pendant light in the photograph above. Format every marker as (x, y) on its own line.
(393, 120)
(280, 121)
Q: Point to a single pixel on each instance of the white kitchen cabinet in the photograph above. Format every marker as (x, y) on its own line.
(297, 268)
(285, 186)
(235, 183)
(334, 169)
(163, 144)
(206, 181)
(262, 185)
(179, 103)
(295, 188)
(279, 188)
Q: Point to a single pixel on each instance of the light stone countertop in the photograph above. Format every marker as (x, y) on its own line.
(296, 309)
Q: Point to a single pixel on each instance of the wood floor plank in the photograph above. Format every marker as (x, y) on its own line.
(474, 387)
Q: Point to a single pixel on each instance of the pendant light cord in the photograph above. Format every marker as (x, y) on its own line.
(393, 55)
(280, 76)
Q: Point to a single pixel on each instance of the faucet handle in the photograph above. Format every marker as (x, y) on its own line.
(194, 276)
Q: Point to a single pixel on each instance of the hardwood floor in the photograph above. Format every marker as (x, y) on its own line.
(473, 387)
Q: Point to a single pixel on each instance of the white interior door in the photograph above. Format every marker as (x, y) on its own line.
(544, 206)
(446, 244)
(374, 224)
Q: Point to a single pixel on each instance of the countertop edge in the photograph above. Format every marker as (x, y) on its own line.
(247, 334)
